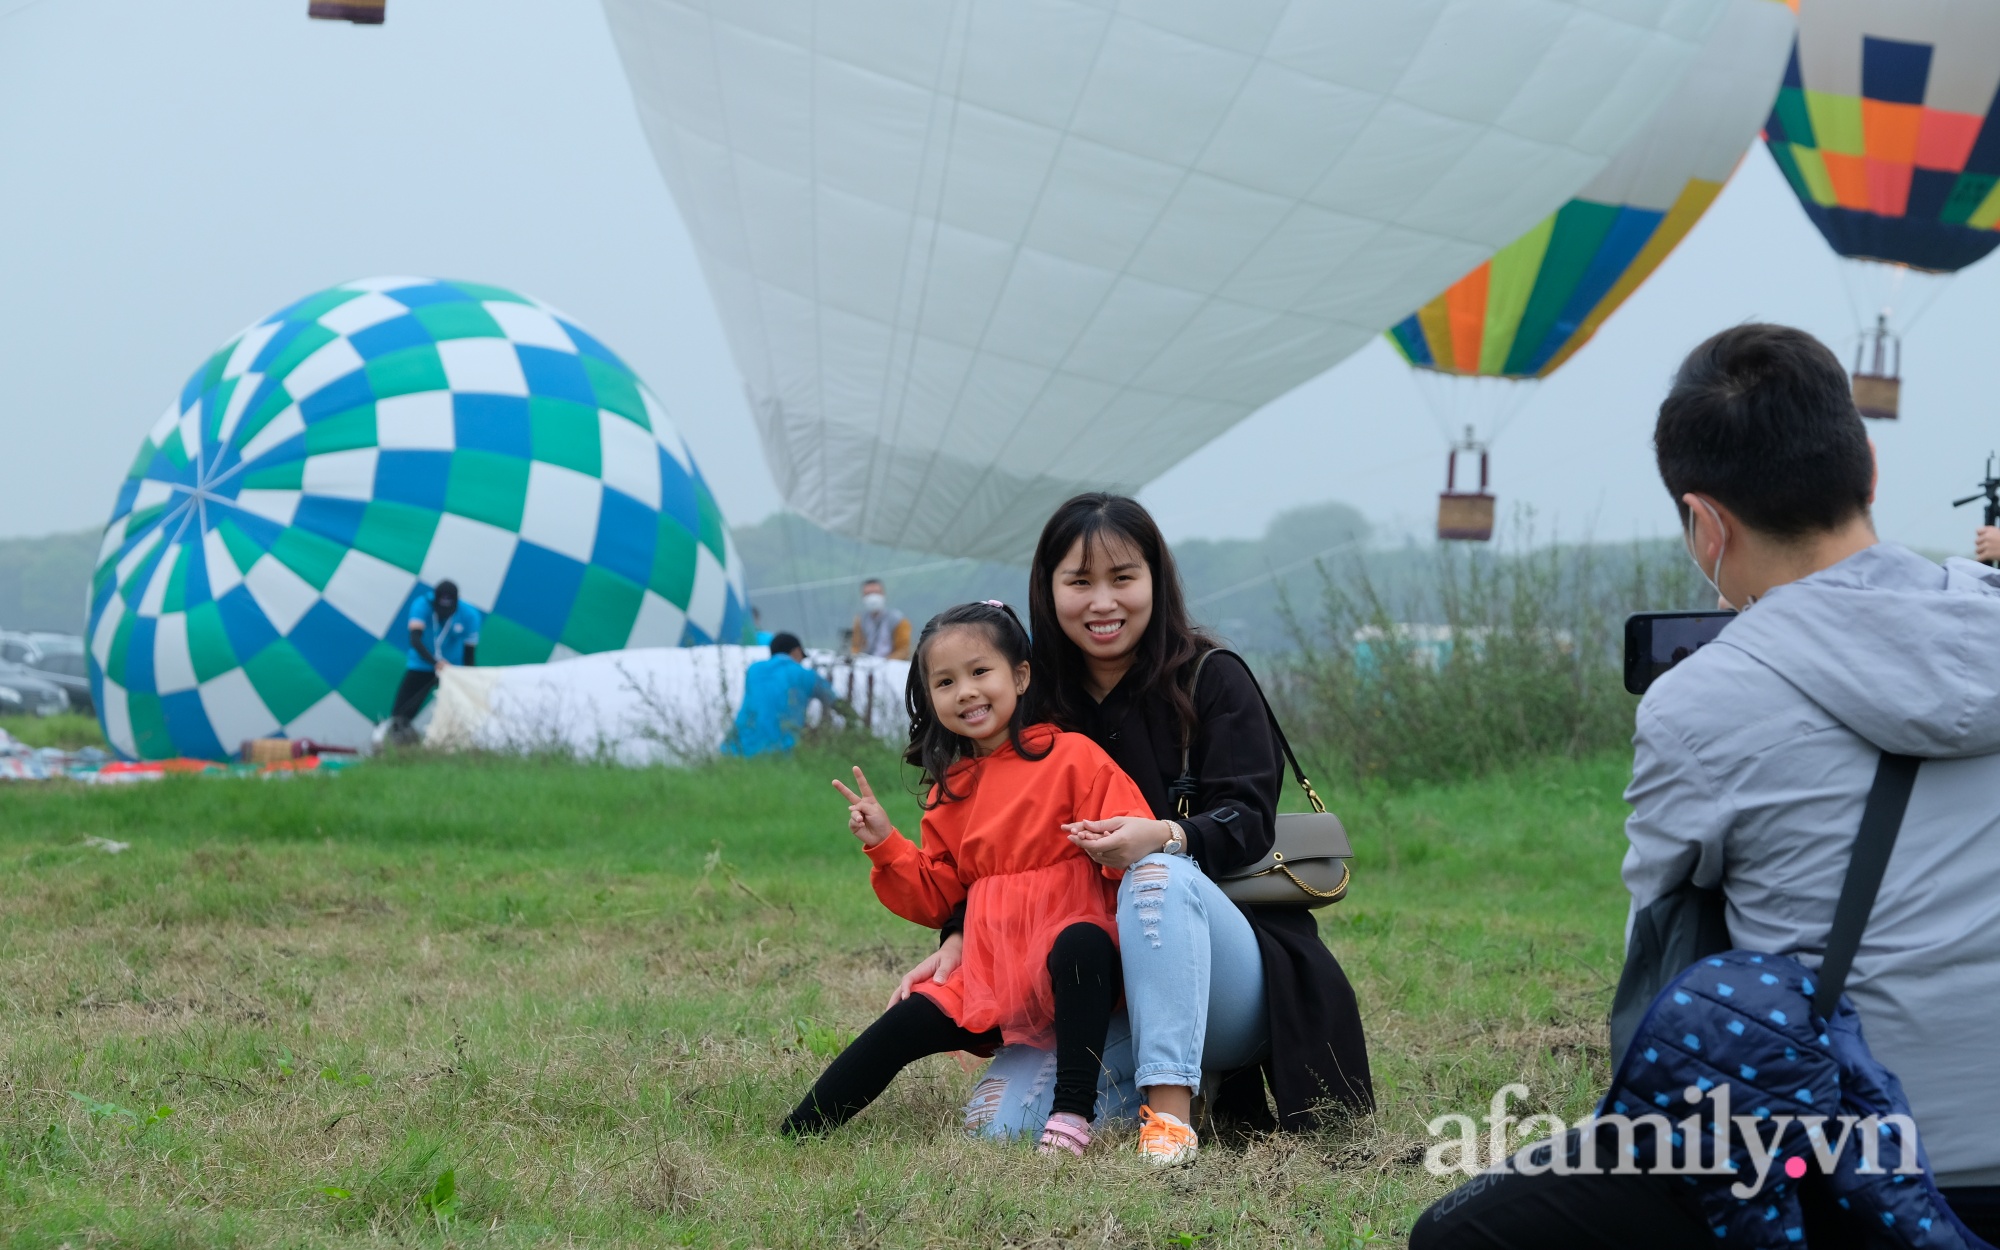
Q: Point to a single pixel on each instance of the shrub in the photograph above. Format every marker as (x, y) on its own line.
(1483, 660)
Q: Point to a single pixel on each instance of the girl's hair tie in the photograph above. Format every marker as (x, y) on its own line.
(993, 603)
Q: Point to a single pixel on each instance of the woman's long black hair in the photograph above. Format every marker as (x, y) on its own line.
(933, 748)
(1172, 640)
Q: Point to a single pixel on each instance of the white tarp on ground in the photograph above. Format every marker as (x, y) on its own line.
(645, 706)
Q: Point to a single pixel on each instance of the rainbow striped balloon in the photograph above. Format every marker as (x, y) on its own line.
(1526, 311)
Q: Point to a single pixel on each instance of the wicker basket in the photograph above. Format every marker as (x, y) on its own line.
(1464, 517)
(1876, 395)
(269, 750)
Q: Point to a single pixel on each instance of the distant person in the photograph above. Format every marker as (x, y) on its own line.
(880, 630)
(443, 632)
(1753, 759)
(775, 694)
(1040, 966)
(758, 634)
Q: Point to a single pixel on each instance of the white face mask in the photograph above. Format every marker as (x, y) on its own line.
(874, 601)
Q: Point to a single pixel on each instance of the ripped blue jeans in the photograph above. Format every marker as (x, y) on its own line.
(1194, 1002)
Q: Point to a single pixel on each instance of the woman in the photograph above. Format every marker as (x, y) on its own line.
(1238, 992)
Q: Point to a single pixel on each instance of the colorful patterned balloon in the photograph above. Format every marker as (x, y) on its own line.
(1885, 129)
(368, 441)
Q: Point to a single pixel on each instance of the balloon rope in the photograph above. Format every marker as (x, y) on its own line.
(1929, 300)
(846, 578)
(1436, 398)
(1516, 403)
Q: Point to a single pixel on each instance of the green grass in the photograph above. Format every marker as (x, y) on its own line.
(69, 731)
(585, 995)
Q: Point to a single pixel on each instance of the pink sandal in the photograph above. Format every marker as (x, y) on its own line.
(1065, 1131)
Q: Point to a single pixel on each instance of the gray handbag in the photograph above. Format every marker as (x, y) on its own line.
(1307, 863)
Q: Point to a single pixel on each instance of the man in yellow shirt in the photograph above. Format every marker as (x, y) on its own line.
(880, 630)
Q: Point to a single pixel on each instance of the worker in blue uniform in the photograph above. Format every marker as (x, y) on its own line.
(443, 632)
(775, 694)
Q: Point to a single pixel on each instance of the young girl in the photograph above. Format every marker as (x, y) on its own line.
(1041, 961)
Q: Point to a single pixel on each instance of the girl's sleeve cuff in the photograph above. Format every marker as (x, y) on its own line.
(889, 849)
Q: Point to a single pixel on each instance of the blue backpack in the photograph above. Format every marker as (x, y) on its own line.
(1759, 1043)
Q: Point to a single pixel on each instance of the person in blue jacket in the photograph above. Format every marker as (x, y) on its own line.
(443, 632)
(775, 694)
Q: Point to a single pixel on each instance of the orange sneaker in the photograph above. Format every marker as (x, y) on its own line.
(1165, 1140)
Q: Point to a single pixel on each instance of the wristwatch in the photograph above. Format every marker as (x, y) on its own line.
(1176, 841)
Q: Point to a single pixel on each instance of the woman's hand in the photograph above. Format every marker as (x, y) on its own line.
(1121, 841)
(1986, 544)
(865, 818)
(936, 966)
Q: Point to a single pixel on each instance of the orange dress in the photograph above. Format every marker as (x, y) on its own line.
(1002, 851)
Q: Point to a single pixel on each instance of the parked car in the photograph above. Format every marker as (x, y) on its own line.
(24, 692)
(55, 658)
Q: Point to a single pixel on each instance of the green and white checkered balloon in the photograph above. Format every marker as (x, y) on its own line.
(335, 459)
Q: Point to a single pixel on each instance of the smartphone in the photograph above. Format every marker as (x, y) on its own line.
(1656, 641)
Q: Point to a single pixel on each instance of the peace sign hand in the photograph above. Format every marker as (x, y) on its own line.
(865, 818)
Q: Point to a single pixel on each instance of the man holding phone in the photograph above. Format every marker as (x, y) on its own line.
(1754, 755)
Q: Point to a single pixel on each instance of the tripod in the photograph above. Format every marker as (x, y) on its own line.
(1990, 491)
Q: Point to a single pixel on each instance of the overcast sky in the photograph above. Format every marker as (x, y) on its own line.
(175, 172)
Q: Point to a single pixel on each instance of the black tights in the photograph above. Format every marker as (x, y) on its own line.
(1083, 972)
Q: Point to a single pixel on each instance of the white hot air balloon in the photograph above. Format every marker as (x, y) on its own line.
(976, 255)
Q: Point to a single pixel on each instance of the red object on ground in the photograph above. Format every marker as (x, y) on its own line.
(125, 767)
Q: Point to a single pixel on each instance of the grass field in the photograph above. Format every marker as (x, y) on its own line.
(535, 1003)
(68, 731)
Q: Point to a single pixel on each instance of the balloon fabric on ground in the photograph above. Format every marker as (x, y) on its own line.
(649, 706)
(975, 256)
(1523, 313)
(367, 441)
(1885, 129)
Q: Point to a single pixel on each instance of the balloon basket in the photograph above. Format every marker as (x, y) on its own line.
(1465, 518)
(359, 12)
(1878, 364)
(1877, 395)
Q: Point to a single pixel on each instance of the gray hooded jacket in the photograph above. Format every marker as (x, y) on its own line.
(1752, 761)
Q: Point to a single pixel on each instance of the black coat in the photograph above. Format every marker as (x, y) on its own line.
(1318, 1057)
